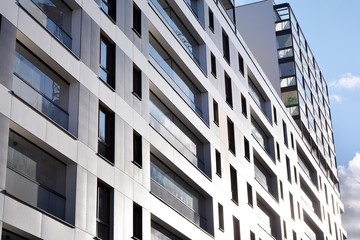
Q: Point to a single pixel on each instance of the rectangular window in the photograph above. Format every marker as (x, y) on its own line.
(137, 149)
(225, 44)
(288, 169)
(40, 87)
(275, 114)
(285, 133)
(106, 133)
(243, 105)
(292, 140)
(233, 182)
(218, 162)
(35, 177)
(228, 90)
(294, 235)
(136, 19)
(292, 206)
(137, 221)
(231, 136)
(241, 64)
(109, 7)
(216, 112)
(252, 235)
(247, 149)
(211, 20)
(285, 231)
(7, 235)
(249, 194)
(103, 211)
(213, 64)
(277, 151)
(281, 190)
(107, 61)
(236, 225)
(221, 217)
(137, 81)
(295, 174)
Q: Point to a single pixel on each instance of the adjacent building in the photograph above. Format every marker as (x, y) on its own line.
(162, 119)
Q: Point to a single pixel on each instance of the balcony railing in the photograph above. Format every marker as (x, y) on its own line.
(179, 84)
(35, 194)
(178, 27)
(39, 101)
(39, 15)
(161, 192)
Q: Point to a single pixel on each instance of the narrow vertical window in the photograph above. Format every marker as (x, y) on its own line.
(241, 64)
(243, 105)
(292, 140)
(295, 174)
(231, 136)
(106, 133)
(292, 206)
(233, 183)
(288, 169)
(285, 133)
(228, 91)
(136, 19)
(216, 112)
(249, 194)
(246, 149)
(137, 149)
(137, 81)
(326, 194)
(281, 190)
(275, 114)
(137, 221)
(236, 226)
(109, 7)
(103, 212)
(213, 64)
(285, 231)
(211, 20)
(225, 43)
(218, 162)
(252, 235)
(221, 217)
(107, 61)
(294, 235)
(277, 151)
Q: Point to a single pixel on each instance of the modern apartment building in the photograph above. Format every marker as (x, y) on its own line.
(133, 119)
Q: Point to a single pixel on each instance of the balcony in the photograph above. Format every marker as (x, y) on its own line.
(175, 76)
(35, 177)
(53, 15)
(178, 194)
(265, 177)
(179, 29)
(177, 134)
(265, 140)
(40, 87)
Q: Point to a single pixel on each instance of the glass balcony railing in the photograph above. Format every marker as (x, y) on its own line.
(42, 15)
(175, 77)
(283, 25)
(178, 27)
(164, 124)
(40, 102)
(285, 53)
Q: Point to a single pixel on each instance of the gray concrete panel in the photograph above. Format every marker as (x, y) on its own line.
(4, 139)
(7, 50)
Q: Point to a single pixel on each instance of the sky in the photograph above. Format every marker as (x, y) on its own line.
(332, 30)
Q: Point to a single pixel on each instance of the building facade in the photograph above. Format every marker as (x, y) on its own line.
(154, 120)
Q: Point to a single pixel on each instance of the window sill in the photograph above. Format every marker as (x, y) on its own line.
(221, 229)
(137, 164)
(137, 96)
(236, 202)
(107, 84)
(233, 152)
(211, 29)
(107, 15)
(106, 160)
(216, 123)
(214, 74)
(219, 175)
(135, 238)
(136, 32)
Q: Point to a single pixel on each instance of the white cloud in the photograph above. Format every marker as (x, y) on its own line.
(347, 80)
(337, 98)
(350, 189)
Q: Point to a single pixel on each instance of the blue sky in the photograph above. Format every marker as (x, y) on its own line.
(332, 30)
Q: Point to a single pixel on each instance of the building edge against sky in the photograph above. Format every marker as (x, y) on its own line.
(153, 120)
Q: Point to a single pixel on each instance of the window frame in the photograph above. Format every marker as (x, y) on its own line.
(234, 185)
(216, 112)
(137, 149)
(109, 141)
(213, 64)
(228, 90)
(231, 136)
(137, 222)
(137, 19)
(111, 12)
(211, 20)
(108, 190)
(137, 82)
(109, 70)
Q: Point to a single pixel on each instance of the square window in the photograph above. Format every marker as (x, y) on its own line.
(106, 133)
(137, 81)
(107, 62)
